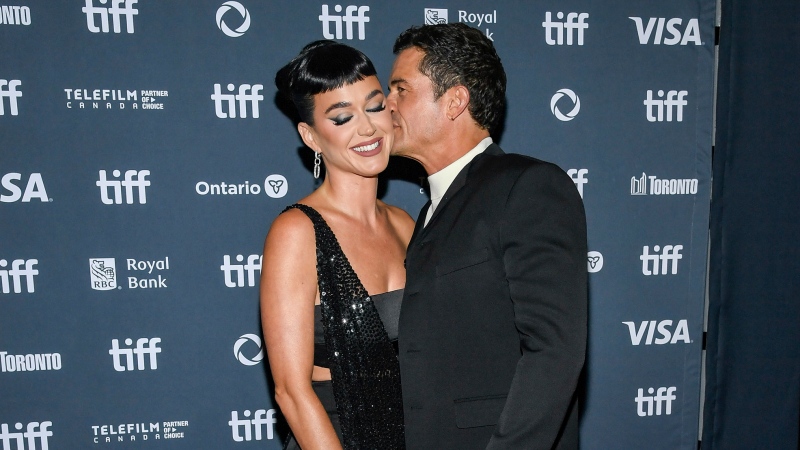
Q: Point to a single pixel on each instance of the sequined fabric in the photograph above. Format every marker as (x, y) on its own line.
(364, 367)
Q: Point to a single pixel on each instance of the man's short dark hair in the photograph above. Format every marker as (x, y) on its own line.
(457, 54)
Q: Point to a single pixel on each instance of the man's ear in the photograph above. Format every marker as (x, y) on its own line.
(308, 136)
(457, 101)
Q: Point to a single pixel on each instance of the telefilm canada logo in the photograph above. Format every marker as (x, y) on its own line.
(115, 99)
(141, 274)
(435, 16)
(139, 431)
(274, 186)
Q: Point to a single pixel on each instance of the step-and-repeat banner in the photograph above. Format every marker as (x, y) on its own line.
(143, 157)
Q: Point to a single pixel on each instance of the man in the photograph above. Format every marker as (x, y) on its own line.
(493, 323)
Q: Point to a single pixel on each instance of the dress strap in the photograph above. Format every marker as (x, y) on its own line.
(364, 368)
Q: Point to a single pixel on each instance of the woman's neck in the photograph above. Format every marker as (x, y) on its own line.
(351, 195)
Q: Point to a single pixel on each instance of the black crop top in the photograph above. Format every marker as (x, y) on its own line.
(388, 306)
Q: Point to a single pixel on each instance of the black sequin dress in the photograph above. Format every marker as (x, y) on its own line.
(365, 373)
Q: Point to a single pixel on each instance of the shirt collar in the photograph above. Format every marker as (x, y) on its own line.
(441, 180)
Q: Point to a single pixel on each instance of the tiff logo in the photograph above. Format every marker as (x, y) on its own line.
(33, 432)
(253, 265)
(675, 101)
(690, 34)
(650, 263)
(664, 396)
(242, 98)
(579, 178)
(575, 24)
(144, 346)
(667, 336)
(19, 268)
(261, 417)
(8, 88)
(115, 11)
(357, 14)
(15, 15)
(115, 186)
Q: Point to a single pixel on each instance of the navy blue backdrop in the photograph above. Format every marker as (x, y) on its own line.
(143, 157)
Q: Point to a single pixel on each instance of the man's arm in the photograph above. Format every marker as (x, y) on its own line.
(543, 233)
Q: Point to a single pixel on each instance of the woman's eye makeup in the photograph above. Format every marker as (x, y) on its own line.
(378, 108)
(340, 119)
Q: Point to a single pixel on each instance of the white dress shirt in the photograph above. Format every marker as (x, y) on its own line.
(441, 180)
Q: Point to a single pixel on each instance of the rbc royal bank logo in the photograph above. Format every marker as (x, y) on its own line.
(248, 429)
(246, 339)
(118, 8)
(8, 89)
(123, 358)
(15, 15)
(11, 279)
(35, 433)
(352, 14)
(34, 188)
(572, 27)
(573, 98)
(435, 16)
(675, 33)
(225, 104)
(103, 273)
(243, 12)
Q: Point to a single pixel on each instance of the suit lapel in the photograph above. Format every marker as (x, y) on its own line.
(459, 182)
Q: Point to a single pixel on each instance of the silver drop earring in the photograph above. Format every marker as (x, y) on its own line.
(317, 162)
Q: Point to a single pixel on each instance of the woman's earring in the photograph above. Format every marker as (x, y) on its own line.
(317, 162)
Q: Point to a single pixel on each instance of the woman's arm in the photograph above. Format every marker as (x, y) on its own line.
(288, 293)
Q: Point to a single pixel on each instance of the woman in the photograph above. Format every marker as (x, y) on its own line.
(332, 274)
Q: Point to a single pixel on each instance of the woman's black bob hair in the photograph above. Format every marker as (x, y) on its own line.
(321, 66)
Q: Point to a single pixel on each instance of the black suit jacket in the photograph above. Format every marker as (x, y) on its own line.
(492, 332)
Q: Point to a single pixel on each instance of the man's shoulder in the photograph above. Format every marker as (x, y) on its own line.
(499, 163)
